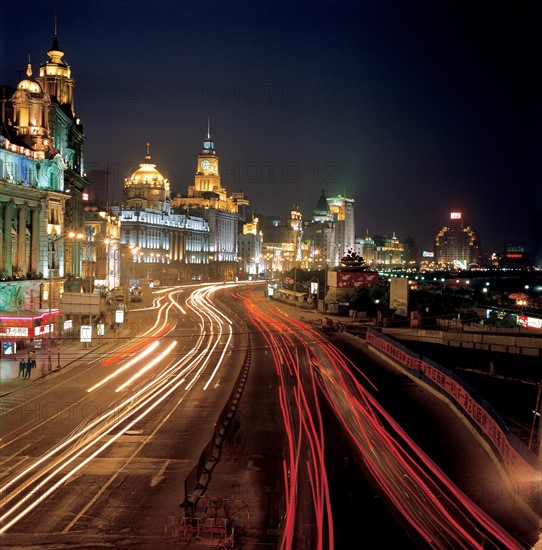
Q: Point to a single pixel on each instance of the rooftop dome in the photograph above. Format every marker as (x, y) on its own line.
(29, 85)
(147, 174)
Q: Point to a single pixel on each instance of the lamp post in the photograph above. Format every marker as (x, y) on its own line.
(49, 300)
(54, 238)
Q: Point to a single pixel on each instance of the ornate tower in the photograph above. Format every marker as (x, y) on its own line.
(207, 178)
(31, 114)
(55, 78)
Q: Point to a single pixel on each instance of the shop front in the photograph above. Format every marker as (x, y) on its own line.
(27, 331)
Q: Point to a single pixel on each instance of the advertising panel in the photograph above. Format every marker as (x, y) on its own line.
(86, 333)
(399, 296)
(352, 279)
(79, 303)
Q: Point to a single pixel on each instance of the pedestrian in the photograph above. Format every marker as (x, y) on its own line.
(32, 357)
(22, 368)
(28, 370)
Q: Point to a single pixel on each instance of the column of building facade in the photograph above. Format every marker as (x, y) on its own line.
(8, 243)
(35, 240)
(181, 246)
(175, 245)
(2, 240)
(21, 238)
(172, 244)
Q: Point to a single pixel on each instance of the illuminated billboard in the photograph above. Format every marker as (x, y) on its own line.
(460, 264)
(455, 215)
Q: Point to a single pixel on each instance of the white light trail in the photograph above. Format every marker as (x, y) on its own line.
(142, 371)
(130, 363)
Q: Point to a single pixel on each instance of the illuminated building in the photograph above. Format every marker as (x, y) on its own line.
(41, 185)
(66, 130)
(210, 201)
(457, 246)
(319, 235)
(345, 230)
(155, 241)
(366, 248)
(282, 246)
(388, 251)
(250, 249)
(101, 256)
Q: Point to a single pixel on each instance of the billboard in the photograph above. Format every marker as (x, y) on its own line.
(78, 303)
(455, 215)
(352, 279)
(399, 296)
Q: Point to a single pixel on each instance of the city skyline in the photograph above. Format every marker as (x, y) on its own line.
(414, 111)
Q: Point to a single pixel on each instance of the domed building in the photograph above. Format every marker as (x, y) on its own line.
(148, 188)
(31, 106)
(156, 243)
(42, 179)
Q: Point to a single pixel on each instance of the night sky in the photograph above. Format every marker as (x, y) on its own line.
(412, 108)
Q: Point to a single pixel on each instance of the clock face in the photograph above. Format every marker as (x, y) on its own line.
(205, 164)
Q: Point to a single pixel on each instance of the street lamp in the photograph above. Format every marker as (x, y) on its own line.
(54, 238)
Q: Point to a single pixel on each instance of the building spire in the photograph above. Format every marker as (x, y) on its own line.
(148, 155)
(55, 46)
(29, 68)
(208, 127)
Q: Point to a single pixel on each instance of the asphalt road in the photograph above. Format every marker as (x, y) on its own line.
(362, 516)
(124, 497)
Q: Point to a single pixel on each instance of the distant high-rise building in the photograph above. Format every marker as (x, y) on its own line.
(345, 230)
(455, 245)
(411, 258)
(319, 234)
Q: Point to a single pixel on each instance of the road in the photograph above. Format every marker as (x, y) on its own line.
(96, 455)
(314, 375)
(85, 453)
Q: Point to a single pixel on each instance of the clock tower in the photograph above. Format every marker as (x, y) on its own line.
(207, 178)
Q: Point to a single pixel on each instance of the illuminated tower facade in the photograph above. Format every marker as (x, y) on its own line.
(209, 200)
(345, 231)
(457, 246)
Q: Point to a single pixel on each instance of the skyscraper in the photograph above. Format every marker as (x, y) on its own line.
(345, 230)
(455, 245)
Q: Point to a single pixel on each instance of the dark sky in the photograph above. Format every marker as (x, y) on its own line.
(412, 108)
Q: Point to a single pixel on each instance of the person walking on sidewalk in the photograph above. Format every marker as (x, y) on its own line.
(22, 369)
(28, 369)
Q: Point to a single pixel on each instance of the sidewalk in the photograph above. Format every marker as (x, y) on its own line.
(71, 350)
